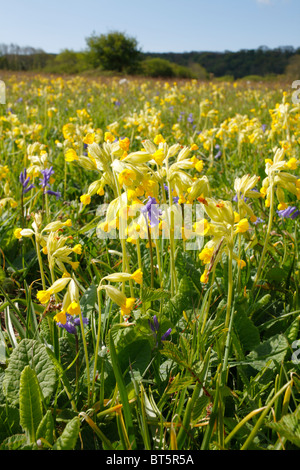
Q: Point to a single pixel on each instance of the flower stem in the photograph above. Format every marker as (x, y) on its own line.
(267, 236)
(97, 342)
(40, 261)
(230, 288)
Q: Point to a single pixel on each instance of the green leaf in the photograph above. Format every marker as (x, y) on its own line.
(30, 403)
(246, 331)
(9, 421)
(172, 352)
(270, 352)
(46, 428)
(68, 439)
(133, 347)
(88, 301)
(288, 427)
(29, 353)
(16, 442)
(150, 295)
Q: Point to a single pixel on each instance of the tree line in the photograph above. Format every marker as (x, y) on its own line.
(118, 53)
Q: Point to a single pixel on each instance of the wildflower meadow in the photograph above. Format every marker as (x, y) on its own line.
(149, 264)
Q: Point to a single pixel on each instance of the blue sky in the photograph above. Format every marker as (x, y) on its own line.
(158, 25)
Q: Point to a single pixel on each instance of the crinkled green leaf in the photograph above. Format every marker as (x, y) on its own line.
(32, 353)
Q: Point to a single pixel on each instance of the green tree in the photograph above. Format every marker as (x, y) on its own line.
(114, 51)
(68, 61)
(157, 67)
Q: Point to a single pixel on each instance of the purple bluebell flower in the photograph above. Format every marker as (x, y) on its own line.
(71, 324)
(57, 194)
(190, 118)
(175, 198)
(264, 127)
(24, 180)
(47, 173)
(181, 116)
(258, 221)
(117, 103)
(45, 182)
(235, 198)
(154, 325)
(290, 212)
(151, 211)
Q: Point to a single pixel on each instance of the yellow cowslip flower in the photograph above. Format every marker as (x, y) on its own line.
(60, 317)
(104, 226)
(282, 205)
(253, 218)
(137, 276)
(77, 249)
(127, 307)
(204, 277)
(201, 227)
(194, 147)
(71, 155)
(236, 217)
(17, 233)
(124, 144)
(67, 223)
(89, 138)
(43, 296)
(45, 250)
(74, 264)
(263, 191)
(73, 308)
(4, 170)
(131, 195)
(159, 156)
(206, 255)
(181, 199)
(158, 139)
(242, 226)
(241, 263)
(292, 163)
(109, 137)
(127, 177)
(68, 131)
(199, 166)
(131, 240)
(85, 199)
(114, 294)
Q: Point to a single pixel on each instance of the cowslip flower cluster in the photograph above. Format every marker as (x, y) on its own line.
(223, 228)
(126, 304)
(70, 304)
